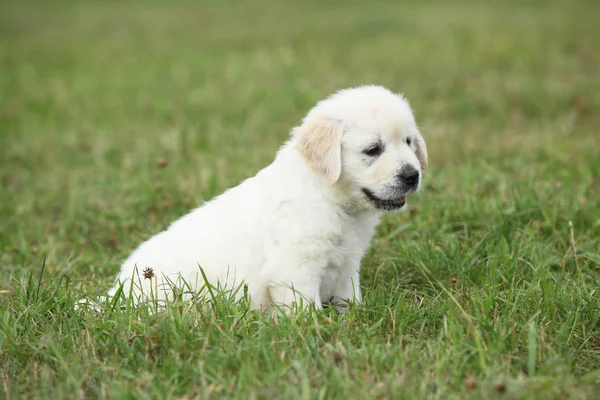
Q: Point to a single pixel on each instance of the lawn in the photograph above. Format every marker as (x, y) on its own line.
(118, 117)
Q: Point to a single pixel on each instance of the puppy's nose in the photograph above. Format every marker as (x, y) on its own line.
(409, 176)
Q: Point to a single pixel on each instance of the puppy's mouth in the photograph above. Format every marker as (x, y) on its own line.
(385, 204)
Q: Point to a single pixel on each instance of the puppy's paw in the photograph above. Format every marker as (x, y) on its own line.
(338, 304)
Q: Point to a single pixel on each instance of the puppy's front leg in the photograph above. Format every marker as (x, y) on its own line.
(295, 279)
(347, 288)
(299, 293)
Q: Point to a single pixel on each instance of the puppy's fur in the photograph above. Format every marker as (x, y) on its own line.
(300, 227)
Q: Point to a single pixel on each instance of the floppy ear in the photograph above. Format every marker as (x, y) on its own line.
(320, 143)
(421, 152)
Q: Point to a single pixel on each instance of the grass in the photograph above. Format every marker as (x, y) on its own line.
(116, 118)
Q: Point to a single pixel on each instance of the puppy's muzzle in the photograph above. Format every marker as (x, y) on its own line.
(409, 177)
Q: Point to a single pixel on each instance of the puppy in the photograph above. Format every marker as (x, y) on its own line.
(296, 232)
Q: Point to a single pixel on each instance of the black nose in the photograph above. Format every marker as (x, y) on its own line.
(409, 176)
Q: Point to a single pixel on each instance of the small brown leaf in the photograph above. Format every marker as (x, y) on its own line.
(161, 163)
(471, 382)
(500, 387)
(338, 358)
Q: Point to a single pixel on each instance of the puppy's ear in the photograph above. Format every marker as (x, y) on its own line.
(320, 143)
(421, 151)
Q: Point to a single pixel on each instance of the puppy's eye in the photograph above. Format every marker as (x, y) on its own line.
(374, 150)
(408, 140)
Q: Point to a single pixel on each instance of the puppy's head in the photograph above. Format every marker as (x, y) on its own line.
(365, 142)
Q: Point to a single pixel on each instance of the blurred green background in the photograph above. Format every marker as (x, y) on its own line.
(117, 117)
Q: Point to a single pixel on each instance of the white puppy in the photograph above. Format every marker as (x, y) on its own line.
(299, 228)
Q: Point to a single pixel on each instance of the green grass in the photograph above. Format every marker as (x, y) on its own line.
(482, 290)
